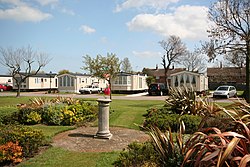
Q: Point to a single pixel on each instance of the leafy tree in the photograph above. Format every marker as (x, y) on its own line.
(230, 33)
(103, 67)
(194, 61)
(174, 50)
(23, 63)
(149, 80)
(63, 72)
(126, 65)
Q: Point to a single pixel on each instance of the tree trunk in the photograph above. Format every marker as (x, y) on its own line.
(18, 91)
(247, 91)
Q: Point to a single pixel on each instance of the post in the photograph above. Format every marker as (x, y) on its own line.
(103, 119)
(50, 81)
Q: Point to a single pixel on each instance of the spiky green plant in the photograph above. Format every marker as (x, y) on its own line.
(185, 101)
(171, 152)
(213, 147)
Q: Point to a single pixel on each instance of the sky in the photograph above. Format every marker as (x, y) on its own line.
(69, 29)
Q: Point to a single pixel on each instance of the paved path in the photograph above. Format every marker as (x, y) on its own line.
(82, 139)
(141, 96)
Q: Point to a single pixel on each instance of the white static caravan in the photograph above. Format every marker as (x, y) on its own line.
(127, 82)
(72, 82)
(196, 81)
(6, 79)
(43, 81)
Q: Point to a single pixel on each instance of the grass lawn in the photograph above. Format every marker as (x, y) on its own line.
(127, 113)
(124, 113)
(58, 157)
(12, 101)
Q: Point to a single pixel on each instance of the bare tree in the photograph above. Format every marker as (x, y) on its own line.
(194, 61)
(22, 63)
(103, 67)
(235, 58)
(126, 65)
(230, 32)
(174, 50)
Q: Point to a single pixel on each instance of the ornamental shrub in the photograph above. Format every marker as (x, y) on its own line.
(29, 115)
(10, 153)
(164, 119)
(8, 115)
(28, 138)
(138, 155)
(52, 115)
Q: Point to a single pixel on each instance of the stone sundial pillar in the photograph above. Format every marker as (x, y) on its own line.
(103, 119)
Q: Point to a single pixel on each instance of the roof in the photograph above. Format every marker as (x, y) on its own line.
(5, 75)
(226, 71)
(160, 71)
(129, 74)
(44, 75)
(187, 72)
(75, 74)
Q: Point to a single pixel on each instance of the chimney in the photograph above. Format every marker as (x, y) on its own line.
(156, 67)
(172, 66)
(220, 64)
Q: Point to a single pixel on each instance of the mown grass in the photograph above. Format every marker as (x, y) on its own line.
(127, 113)
(13, 101)
(58, 157)
(51, 131)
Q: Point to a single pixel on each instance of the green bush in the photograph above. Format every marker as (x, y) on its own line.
(52, 115)
(191, 122)
(137, 155)
(164, 119)
(29, 115)
(7, 115)
(57, 111)
(28, 139)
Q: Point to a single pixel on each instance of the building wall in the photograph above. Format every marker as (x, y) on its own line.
(42, 83)
(196, 81)
(130, 83)
(38, 83)
(6, 79)
(72, 83)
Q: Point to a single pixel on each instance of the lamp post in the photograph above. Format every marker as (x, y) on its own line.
(50, 81)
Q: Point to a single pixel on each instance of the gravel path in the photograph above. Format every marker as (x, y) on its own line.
(82, 139)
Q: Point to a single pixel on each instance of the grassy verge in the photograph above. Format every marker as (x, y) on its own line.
(127, 113)
(64, 158)
(51, 131)
(12, 101)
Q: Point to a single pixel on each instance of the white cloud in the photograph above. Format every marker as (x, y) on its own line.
(187, 22)
(67, 11)
(86, 29)
(147, 54)
(24, 13)
(46, 2)
(152, 4)
(104, 40)
(20, 11)
(13, 2)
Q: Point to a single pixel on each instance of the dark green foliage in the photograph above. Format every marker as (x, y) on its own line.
(7, 115)
(28, 139)
(54, 112)
(29, 115)
(137, 155)
(191, 122)
(163, 118)
(52, 115)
